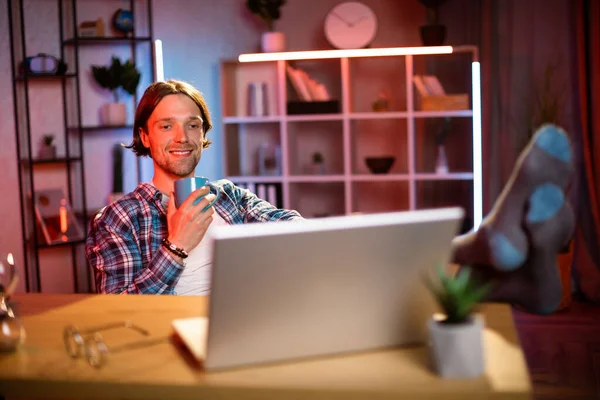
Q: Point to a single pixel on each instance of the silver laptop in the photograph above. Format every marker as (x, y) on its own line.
(300, 289)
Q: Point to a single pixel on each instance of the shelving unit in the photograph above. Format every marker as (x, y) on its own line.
(55, 104)
(405, 131)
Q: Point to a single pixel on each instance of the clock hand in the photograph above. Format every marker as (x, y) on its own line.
(341, 19)
(358, 20)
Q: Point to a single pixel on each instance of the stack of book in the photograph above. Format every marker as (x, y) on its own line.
(434, 97)
(313, 96)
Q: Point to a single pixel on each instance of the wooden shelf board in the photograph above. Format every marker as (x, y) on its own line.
(251, 120)
(82, 41)
(444, 177)
(438, 114)
(22, 78)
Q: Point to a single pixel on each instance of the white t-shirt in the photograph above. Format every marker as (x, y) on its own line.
(195, 277)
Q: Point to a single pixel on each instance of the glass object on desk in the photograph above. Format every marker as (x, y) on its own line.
(12, 333)
(91, 344)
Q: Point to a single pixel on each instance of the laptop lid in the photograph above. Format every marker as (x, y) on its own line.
(297, 289)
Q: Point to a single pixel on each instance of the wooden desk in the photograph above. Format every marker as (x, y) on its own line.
(41, 367)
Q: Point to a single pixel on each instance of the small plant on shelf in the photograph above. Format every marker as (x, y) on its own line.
(456, 336)
(433, 33)
(48, 139)
(47, 149)
(267, 10)
(318, 163)
(118, 76)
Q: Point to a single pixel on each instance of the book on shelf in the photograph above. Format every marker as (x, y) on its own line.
(428, 85)
(434, 85)
(307, 88)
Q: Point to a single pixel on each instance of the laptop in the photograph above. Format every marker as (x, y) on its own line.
(293, 290)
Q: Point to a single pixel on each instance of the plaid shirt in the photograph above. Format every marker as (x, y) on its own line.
(124, 242)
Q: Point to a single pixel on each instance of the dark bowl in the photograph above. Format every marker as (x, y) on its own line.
(380, 165)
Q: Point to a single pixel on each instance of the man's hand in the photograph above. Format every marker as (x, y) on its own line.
(188, 224)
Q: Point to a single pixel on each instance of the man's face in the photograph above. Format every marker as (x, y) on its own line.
(175, 136)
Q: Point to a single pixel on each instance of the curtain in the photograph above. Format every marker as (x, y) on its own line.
(518, 41)
(586, 262)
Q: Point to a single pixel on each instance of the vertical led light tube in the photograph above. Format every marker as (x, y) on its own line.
(477, 151)
(158, 60)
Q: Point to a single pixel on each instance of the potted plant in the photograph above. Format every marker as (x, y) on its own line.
(47, 149)
(433, 33)
(456, 337)
(116, 78)
(268, 11)
(318, 163)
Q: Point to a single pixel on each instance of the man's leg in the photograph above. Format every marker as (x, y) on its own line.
(536, 285)
(517, 244)
(535, 189)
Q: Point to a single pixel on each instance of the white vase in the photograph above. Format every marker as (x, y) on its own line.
(457, 349)
(114, 114)
(272, 42)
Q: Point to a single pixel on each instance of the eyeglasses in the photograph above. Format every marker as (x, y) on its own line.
(91, 344)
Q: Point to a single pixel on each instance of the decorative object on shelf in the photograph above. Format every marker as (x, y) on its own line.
(42, 64)
(91, 28)
(119, 76)
(47, 149)
(380, 165)
(12, 333)
(122, 21)
(55, 218)
(258, 102)
(117, 172)
(433, 33)
(441, 164)
(382, 103)
(269, 160)
(268, 11)
(318, 163)
(456, 337)
(434, 97)
(350, 25)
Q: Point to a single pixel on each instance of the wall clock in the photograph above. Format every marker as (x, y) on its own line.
(350, 25)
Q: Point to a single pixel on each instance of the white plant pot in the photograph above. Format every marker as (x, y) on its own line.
(114, 114)
(457, 350)
(272, 42)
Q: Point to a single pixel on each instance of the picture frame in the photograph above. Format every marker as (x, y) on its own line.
(56, 220)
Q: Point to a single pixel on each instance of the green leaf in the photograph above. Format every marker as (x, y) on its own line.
(117, 76)
(457, 295)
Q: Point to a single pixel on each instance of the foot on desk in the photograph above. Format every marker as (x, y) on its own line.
(536, 286)
(533, 194)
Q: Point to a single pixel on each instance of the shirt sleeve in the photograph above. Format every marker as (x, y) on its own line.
(117, 261)
(255, 209)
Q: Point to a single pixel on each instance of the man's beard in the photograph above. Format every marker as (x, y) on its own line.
(182, 168)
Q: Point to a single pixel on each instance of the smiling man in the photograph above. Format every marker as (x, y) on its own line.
(129, 240)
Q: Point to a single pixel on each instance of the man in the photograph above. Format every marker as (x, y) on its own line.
(125, 245)
(137, 244)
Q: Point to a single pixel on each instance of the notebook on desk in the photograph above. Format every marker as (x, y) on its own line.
(298, 289)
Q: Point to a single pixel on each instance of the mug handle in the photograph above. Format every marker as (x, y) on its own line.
(214, 201)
